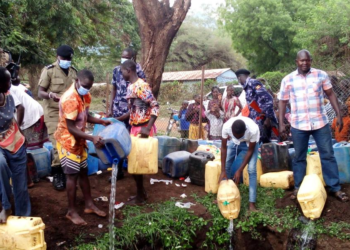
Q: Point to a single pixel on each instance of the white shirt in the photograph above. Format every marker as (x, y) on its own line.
(32, 109)
(22, 87)
(251, 134)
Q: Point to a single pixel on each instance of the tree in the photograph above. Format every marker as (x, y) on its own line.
(158, 24)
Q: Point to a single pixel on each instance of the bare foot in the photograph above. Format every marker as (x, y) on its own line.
(92, 209)
(75, 218)
(4, 214)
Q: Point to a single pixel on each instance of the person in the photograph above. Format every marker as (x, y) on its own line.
(229, 104)
(192, 115)
(304, 90)
(13, 157)
(55, 79)
(14, 68)
(344, 134)
(119, 104)
(71, 142)
(245, 136)
(184, 124)
(144, 110)
(258, 98)
(215, 117)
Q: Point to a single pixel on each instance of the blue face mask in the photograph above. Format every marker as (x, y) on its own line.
(65, 64)
(82, 91)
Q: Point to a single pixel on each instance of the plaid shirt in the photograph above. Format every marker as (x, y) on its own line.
(305, 94)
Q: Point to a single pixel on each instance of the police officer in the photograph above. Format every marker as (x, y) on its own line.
(55, 79)
(260, 104)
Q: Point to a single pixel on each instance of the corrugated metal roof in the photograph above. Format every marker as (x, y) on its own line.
(192, 75)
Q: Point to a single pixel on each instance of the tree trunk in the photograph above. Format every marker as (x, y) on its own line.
(158, 25)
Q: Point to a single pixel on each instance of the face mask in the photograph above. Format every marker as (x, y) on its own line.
(82, 91)
(65, 64)
(122, 60)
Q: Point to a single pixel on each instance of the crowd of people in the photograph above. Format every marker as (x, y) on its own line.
(66, 100)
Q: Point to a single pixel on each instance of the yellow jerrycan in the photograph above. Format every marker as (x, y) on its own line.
(259, 172)
(212, 175)
(312, 196)
(143, 157)
(25, 233)
(314, 166)
(283, 179)
(229, 199)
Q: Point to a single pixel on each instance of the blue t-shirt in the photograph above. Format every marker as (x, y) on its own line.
(184, 125)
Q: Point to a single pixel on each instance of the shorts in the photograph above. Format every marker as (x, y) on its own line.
(71, 163)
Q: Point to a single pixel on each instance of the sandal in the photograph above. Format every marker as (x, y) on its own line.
(341, 196)
(293, 196)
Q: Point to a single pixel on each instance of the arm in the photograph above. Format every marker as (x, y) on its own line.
(335, 105)
(42, 93)
(246, 160)
(223, 159)
(113, 92)
(124, 117)
(239, 105)
(20, 114)
(77, 133)
(95, 120)
(281, 113)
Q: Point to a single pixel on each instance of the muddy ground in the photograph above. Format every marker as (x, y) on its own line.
(51, 206)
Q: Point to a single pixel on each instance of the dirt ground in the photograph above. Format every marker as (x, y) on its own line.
(51, 206)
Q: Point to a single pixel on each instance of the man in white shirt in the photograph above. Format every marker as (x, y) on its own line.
(244, 137)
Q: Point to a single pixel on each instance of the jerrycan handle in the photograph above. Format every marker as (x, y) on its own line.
(340, 144)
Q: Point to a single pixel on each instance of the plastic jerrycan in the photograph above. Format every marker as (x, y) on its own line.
(342, 155)
(259, 172)
(143, 157)
(314, 166)
(176, 164)
(117, 143)
(275, 157)
(229, 199)
(42, 161)
(189, 145)
(212, 175)
(283, 179)
(196, 170)
(22, 233)
(312, 196)
(167, 145)
(212, 149)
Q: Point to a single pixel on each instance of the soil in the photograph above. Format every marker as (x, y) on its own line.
(51, 206)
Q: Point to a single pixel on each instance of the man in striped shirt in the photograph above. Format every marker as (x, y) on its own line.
(304, 89)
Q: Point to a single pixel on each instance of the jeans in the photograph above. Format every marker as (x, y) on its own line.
(233, 151)
(323, 141)
(14, 166)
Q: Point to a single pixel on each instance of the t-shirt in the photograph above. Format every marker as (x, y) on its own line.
(11, 138)
(72, 107)
(252, 133)
(32, 109)
(184, 124)
(343, 135)
(215, 123)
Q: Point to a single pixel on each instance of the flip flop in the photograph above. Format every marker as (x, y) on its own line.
(341, 196)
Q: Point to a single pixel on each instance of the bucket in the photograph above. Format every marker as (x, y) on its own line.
(342, 155)
(42, 161)
(167, 145)
(259, 172)
(229, 199)
(212, 175)
(282, 180)
(25, 233)
(175, 164)
(198, 160)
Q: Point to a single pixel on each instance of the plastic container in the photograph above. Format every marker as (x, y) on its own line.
(176, 164)
(98, 128)
(143, 156)
(275, 157)
(342, 155)
(312, 196)
(259, 172)
(314, 166)
(196, 171)
(212, 175)
(25, 233)
(167, 145)
(204, 142)
(117, 143)
(42, 161)
(189, 145)
(212, 149)
(48, 145)
(229, 199)
(282, 180)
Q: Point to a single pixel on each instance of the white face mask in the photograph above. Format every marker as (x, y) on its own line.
(122, 60)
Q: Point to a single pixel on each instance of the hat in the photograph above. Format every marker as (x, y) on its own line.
(65, 51)
(242, 72)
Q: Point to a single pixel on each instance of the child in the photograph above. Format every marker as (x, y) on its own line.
(215, 117)
(144, 110)
(184, 125)
(344, 134)
(13, 157)
(192, 116)
(71, 143)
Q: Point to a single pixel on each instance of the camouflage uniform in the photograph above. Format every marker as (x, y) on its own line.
(256, 91)
(54, 80)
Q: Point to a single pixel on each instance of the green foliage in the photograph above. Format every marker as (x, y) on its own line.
(273, 79)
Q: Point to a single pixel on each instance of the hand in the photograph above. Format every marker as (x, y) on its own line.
(106, 122)
(223, 176)
(237, 177)
(55, 97)
(145, 131)
(340, 123)
(267, 123)
(98, 141)
(110, 113)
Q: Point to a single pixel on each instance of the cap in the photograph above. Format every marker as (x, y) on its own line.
(242, 72)
(65, 51)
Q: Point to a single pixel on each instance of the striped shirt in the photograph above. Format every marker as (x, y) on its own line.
(306, 97)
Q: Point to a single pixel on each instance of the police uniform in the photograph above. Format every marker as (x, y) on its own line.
(54, 80)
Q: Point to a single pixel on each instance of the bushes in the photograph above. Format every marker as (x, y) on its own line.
(273, 80)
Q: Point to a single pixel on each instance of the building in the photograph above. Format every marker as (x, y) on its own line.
(221, 76)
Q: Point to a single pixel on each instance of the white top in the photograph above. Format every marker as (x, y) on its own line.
(252, 133)
(22, 87)
(215, 123)
(32, 109)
